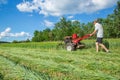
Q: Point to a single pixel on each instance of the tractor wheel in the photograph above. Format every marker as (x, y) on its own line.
(70, 47)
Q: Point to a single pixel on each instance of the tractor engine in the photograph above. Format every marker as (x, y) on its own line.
(72, 42)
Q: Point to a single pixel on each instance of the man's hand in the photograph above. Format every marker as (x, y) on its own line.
(91, 34)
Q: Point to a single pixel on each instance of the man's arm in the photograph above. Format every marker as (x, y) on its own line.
(93, 33)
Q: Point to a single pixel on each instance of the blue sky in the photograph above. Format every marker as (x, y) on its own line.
(20, 18)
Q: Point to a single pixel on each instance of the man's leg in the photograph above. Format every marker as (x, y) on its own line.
(97, 46)
(103, 46)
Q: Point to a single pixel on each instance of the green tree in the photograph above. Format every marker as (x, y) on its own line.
(62, 29)
(35, 38)
(117, 19)
(45, 34)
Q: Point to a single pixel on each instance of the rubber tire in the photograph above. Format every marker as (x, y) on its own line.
(70, 47)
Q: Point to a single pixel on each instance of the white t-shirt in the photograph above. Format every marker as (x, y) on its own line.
(99, 29)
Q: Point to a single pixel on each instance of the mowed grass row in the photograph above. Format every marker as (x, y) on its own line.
(64, 65)
(42, 45)
(12, 71)
(113, 43)
(53, 64)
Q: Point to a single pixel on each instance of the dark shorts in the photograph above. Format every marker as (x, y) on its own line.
(99, 40)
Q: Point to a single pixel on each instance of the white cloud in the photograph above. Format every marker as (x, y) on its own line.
(7, 30)
(62, 7)
(48, 23)
(73, 20)
(3, 1)
(70, 17)
(25, 7)
(30, 15)
(6, 33)
(21, 34)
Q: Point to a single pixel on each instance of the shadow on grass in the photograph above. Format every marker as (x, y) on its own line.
(1, 77)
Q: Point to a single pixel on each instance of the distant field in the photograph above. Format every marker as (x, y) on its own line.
(47, 61)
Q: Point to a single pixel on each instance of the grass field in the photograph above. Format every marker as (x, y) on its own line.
(43, 61)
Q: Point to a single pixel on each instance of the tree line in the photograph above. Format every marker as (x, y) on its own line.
(111, 25)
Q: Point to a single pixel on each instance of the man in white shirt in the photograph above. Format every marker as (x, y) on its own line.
(99, 31)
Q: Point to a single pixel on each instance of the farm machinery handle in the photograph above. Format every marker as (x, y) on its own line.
(73, 42)
(81, 38)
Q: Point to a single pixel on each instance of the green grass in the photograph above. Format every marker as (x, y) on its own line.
(43, 61)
